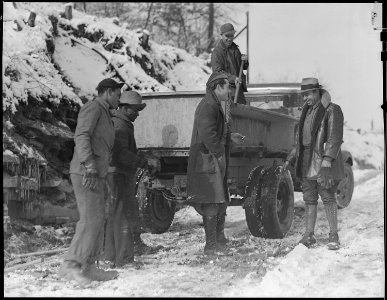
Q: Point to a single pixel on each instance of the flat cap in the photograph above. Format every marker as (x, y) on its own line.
(110, 83)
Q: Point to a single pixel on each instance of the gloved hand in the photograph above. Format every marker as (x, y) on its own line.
(90, 178)
(324, 178)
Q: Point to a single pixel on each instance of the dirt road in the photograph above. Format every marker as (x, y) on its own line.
(257, 267)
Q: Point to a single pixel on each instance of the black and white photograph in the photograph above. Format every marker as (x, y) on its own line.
(160, 149)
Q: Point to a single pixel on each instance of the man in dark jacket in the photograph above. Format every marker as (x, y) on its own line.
(123, 227)
(94, 138)
(227, 58)
(317, 157)
(207, 183)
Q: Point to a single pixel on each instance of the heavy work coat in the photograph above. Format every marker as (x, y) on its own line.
(206, 176)
(124, 156)
(228, 60)
(94, 138)
(327, 137)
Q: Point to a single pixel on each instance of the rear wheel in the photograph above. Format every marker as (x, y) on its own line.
(270, 207)
(156, 213)
(345, 188)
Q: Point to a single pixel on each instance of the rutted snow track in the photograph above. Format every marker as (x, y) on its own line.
(257, 267)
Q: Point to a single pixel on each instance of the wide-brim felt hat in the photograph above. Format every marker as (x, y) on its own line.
(310, 84)
(133, 99)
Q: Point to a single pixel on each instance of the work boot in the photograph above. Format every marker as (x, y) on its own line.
(334, 243)
(220, 237)
(128, 262)
(141, 248)
(331, 213)
(310, 221)
(210, 232)
(71, 270)
(98, 274)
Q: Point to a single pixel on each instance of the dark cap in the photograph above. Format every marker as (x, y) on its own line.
(110, 83)
(227, 28)
(215, 76)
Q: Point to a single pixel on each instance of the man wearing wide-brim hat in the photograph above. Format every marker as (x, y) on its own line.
(317, 157)
(227, 58)
(123, 229)
(206, 172)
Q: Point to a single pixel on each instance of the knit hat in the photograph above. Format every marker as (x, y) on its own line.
(225, 28)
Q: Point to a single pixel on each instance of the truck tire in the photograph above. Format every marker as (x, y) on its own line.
(273, 194)
(345, 189)
(156, 213)
(252, 205)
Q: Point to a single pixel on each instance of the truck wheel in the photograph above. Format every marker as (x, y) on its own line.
(272, 215)
(345, 189)
(156, 213)
(252, 204)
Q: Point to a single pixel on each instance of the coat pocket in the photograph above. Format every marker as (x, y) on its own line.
(205, 163)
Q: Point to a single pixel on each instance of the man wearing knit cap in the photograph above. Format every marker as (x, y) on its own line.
(207, 183)
(227, 58)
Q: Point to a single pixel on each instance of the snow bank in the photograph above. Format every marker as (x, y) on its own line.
(367, 148)
(318, 272)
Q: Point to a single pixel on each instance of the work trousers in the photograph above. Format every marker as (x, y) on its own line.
(86, 245)
(210, 209)
(123, 217)
(311, 189)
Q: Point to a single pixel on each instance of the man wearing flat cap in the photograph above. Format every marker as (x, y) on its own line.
(123, 227)
(317, 158)
(227, 58)
(206, 174)
(94, 138)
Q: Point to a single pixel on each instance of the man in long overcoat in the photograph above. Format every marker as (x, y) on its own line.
(207, 183)
(227, 58)
(94, 138)
(317, 157)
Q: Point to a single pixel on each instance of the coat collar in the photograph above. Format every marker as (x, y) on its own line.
(223, 46)
(123, 116)
(325, 98)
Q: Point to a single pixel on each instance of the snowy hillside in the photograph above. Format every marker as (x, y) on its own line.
(50, 69)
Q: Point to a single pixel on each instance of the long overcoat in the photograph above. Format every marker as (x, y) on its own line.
(207, 182)
(327, 137)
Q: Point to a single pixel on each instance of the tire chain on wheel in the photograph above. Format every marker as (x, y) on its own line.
(145, 207)
(254, 220)
(268, 191)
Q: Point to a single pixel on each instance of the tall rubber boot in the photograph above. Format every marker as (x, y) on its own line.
(331, 213)
(210, 232)
(220, 237)
(310, 221)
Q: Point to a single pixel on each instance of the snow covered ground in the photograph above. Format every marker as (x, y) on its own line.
(258, 267)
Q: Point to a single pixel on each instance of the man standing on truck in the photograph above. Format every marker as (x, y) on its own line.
(94, 138)
(206, 173)
(227, 58)
(123, 228)
(317, 158)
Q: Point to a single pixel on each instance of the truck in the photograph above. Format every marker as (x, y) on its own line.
(256, 182)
